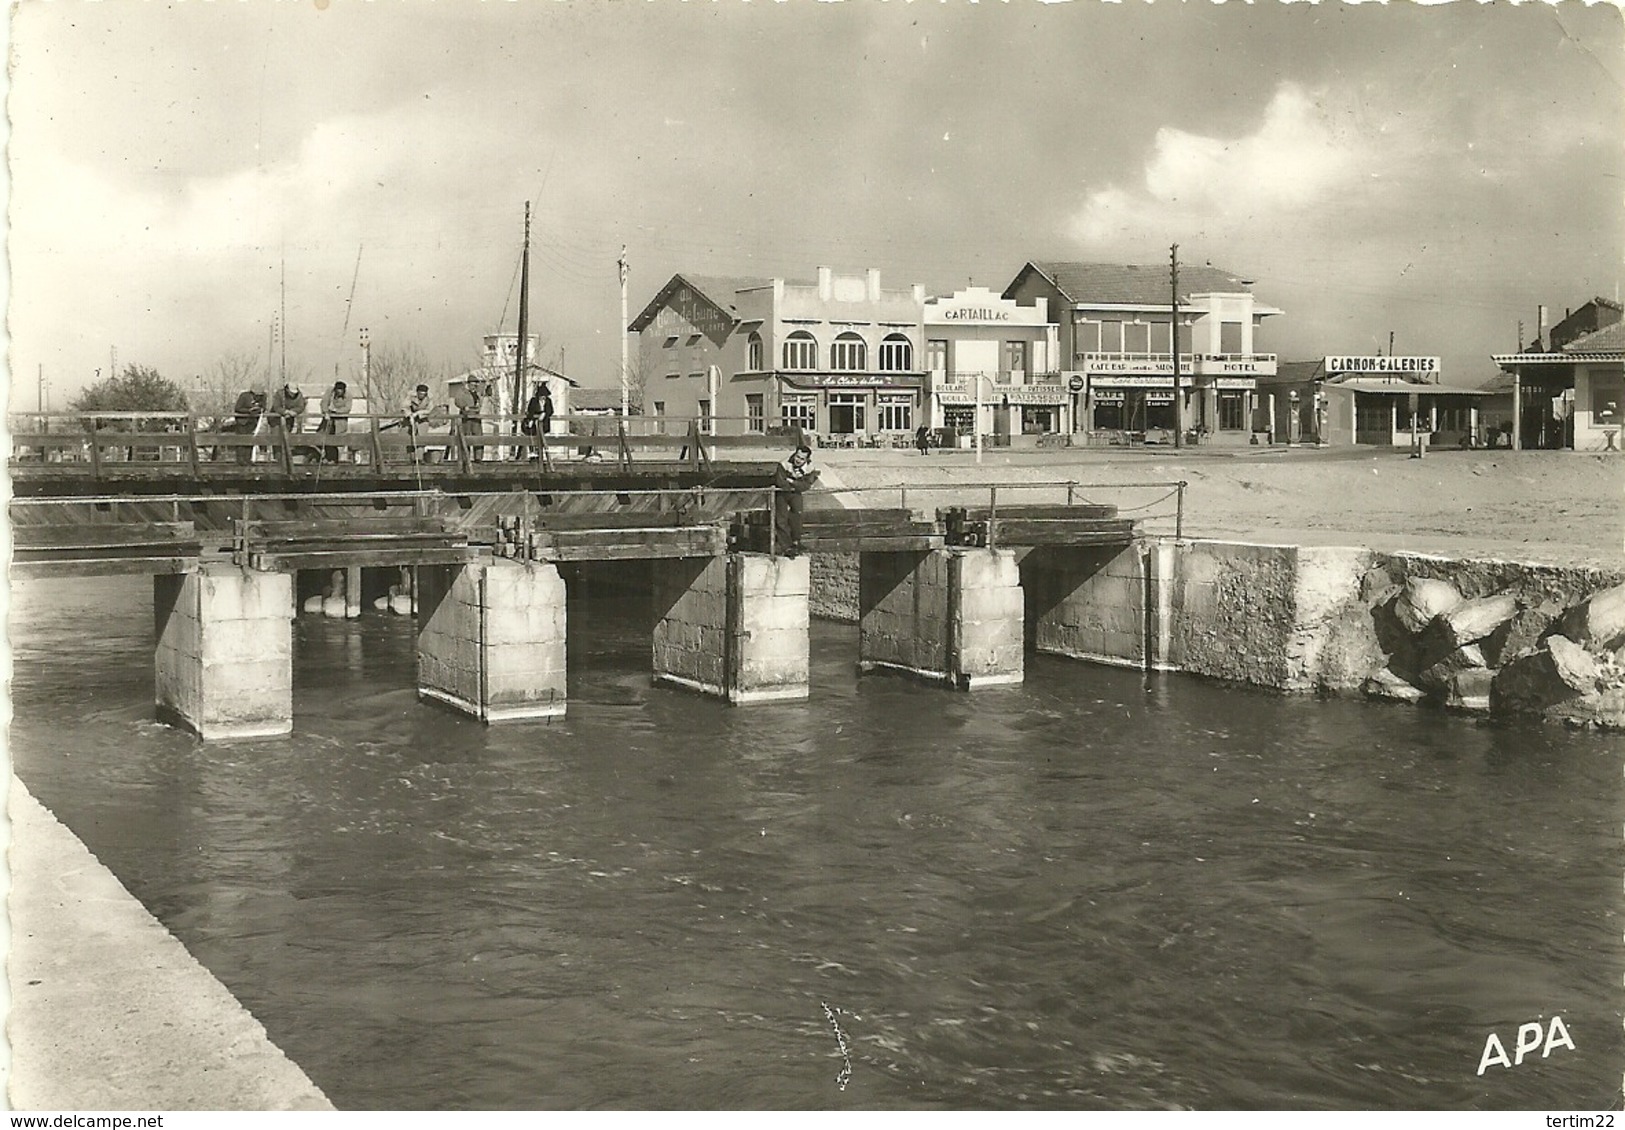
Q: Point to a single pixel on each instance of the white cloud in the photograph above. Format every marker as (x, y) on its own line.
(1298, 159)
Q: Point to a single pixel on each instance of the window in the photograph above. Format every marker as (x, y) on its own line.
(846, 412)
(848, 353)
(1015, 356)
(1137, 337)
(753, 353)
(1230, 337)
(1159, 338)
(660, 408)
(697, 376)
(1111, 337)
(800, 351)
(1086, 337)
(936, 355)
(693, 340)
(756, 416)
(705, 415)
(1607, 399)
(960, 417)
(799, 412)
(896, 354)
(895, 413)
(1232, 411)
(1454, 415)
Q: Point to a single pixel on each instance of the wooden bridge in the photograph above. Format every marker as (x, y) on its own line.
(950, 579)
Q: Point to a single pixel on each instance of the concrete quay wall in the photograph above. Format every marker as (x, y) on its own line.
(1315, 619)
(108, 1010)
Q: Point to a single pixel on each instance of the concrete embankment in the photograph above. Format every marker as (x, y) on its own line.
(1481, 636)
(108, 1010)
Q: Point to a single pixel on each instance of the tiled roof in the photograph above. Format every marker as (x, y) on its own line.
(595, 399)
(1609, 339)
(721, 289)
(1135, 284)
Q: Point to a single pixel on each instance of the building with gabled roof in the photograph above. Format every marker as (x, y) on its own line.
(1116, 342)
(838, 356)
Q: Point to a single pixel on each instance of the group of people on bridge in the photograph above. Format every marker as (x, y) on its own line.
(286, 409)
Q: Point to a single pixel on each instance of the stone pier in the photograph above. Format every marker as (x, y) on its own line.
(735, 627)
(1109, 604)
(491, 639)
(946, 615)
(223, 663)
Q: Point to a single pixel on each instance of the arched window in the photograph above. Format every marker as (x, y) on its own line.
(800, 351)
(753, 353)
(848, 353)
(896, 354)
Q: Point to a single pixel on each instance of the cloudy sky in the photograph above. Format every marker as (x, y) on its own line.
(1433, 173)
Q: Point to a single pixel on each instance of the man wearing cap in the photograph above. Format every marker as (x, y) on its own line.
(335, 415)
(417, 416)
(287, 405)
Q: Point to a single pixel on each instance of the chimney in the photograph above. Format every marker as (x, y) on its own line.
(919, 294)
(825, 286)
(872, 277)
(1540, 325)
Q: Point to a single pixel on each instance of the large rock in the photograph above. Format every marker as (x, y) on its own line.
(1468, 689)
(1598, 622)
(1438, 676)
(1387, 685)
(1473, 620)
(1422, 599)
(1557, 671)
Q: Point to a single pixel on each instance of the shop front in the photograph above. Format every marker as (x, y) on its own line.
(853, 409)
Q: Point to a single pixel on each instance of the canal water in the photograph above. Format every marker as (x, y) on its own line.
(1091, 891)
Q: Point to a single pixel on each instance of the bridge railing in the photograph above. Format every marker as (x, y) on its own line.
(191, 445)
(1156, 505)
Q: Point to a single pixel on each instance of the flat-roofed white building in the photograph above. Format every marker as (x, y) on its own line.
(984, 349)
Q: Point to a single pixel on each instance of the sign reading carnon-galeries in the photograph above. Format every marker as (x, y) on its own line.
(1397, 366)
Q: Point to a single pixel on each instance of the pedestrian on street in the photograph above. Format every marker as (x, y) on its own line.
(922, 439)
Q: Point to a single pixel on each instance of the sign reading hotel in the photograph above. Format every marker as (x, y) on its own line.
(1424, 366)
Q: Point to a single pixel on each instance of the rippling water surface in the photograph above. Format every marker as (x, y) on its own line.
(1088, 891)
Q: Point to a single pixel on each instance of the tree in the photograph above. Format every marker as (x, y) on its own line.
(396, 371)
(225, 378)
(137, 389)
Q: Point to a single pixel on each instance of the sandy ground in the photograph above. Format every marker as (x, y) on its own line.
(1560, 508)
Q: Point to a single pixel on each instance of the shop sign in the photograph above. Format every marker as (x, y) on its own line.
(1246, 384)
(1076, 382)
(1159, 398)
(1117, 363)
(852, 380)
(1418, 365)
(1109, 396)
(1220, 365)
(1132, 380)
(972, 314)
(1031, 394)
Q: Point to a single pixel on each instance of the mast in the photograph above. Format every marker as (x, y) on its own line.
(524, 323)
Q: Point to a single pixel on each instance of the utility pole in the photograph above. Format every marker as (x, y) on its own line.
(366, 369)
(626, 385)
(112, 361)
(282, 318)
(1173, 342)
(524, 323)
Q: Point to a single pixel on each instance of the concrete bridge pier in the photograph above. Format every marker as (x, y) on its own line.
(945, 615)
(1108, 604)
(735, 626)
(491, 639)
(223, 664)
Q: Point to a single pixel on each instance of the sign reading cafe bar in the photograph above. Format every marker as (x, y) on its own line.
(1424, 366)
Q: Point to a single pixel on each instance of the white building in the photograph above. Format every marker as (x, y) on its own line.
(982, 348)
